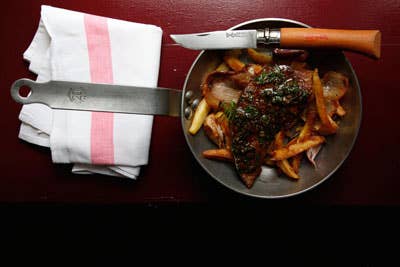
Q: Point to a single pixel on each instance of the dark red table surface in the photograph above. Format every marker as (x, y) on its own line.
(370, 175)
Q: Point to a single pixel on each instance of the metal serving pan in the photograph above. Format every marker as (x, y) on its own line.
(269, 184)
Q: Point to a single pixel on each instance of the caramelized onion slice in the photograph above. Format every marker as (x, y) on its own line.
(335, 85)
(225, 91)
(217, 129)
(312, 154)
(223, 87)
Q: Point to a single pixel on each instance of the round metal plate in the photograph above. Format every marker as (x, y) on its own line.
(269, 184)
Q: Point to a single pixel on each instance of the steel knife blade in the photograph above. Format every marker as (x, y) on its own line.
(218, 39)
(100, 97)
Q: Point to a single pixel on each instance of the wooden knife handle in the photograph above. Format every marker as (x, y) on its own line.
(363, 41)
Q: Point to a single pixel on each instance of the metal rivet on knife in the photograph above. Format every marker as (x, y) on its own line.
(188, 113)
(188, 95)
(195, 103)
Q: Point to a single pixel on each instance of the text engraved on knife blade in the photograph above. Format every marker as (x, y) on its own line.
(77, 95)
(236, 34)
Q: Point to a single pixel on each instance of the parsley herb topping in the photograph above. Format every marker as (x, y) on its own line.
(275, 76)
(229, 110)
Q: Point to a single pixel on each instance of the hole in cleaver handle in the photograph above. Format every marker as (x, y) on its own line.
(100, 97)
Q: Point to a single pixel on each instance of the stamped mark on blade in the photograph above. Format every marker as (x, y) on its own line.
(77, 95)
(236, 34)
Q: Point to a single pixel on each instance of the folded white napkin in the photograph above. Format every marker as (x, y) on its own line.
(74, 46)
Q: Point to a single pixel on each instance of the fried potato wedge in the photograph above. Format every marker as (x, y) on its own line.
(284, 165)
(305, 132)
(234, 63)
(278, 142)
(199, 116)
(259, 57)
(328, 126)
(218, 154)
(222, 67)
(254, 69)
(296, 162)
(333, 107)
(294, 149)
(340, 109)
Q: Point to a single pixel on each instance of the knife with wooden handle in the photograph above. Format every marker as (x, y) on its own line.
(367, 42)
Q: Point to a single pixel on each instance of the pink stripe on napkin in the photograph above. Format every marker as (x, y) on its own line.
(99, 50)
